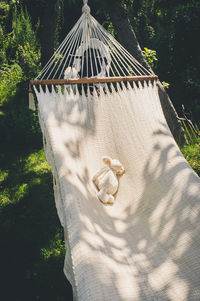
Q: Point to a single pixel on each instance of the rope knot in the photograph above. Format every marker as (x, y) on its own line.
(86, 8)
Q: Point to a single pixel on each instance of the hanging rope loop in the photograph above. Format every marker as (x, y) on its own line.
(86, 8)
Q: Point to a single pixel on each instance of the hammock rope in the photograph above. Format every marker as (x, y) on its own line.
(90, 52)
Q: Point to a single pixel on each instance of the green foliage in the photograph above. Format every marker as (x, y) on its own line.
(140, 13)
(152, 60)
(150, 56)
(5, 44)
(28, 218)
(19, 61)
(32, 253)
(17, 182)
(165, 85)
(192, 131)
(10, 76)
(26, 43)
(191, 153)
(4, 8)
(109, 27)
(20, 47)
(55, 247)
(171, 28)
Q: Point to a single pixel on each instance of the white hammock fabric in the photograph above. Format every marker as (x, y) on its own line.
(145, 246)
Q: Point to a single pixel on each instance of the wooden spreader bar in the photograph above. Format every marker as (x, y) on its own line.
(92, 80)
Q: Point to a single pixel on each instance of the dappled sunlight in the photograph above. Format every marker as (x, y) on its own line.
(21, 176)
(164, 278)
(36, 162)
(145, 245)
(32, 249)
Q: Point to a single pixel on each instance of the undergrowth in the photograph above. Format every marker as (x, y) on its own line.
(32, 247)
(192, 154)
(32, 252)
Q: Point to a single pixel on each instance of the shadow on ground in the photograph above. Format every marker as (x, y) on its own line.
(28, 225)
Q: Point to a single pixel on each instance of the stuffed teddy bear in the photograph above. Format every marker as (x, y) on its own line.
(70, 72)
(106, 180)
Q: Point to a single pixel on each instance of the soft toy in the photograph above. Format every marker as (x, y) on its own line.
(106, 180)
(70, 72)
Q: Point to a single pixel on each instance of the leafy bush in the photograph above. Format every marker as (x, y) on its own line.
(10, 76)
(30, 230)
(152, 60)
(25, 43)
(150, 56)
(191, 153)
(20, 61)
(19, 52)
(5, 43)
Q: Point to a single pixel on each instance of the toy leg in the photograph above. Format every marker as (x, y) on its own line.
(99, 173)
(110, 199)
(106, 199)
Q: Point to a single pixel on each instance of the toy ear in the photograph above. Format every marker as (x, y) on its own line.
(106, 160)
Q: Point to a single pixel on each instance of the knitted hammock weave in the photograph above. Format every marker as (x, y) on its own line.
(95, 99)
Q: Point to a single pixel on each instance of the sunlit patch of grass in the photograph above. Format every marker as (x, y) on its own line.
(55, 248)
(13, 195)
(37, 163)
(192, 154)
(192, 132)
(22, 174)
(33, 250)
(3, 175)
(4, 198)
(21, 191)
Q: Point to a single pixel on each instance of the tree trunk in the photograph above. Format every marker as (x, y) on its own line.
(126, 36)
(47, 12)
(171, 116)
(48, 21)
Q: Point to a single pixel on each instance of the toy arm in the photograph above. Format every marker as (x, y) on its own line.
(99, 172)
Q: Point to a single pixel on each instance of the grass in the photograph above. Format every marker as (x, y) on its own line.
(192, 132)
(192, 154)
(192, 151)
(32, 248)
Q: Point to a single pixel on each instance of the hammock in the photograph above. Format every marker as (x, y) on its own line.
(95, 100)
